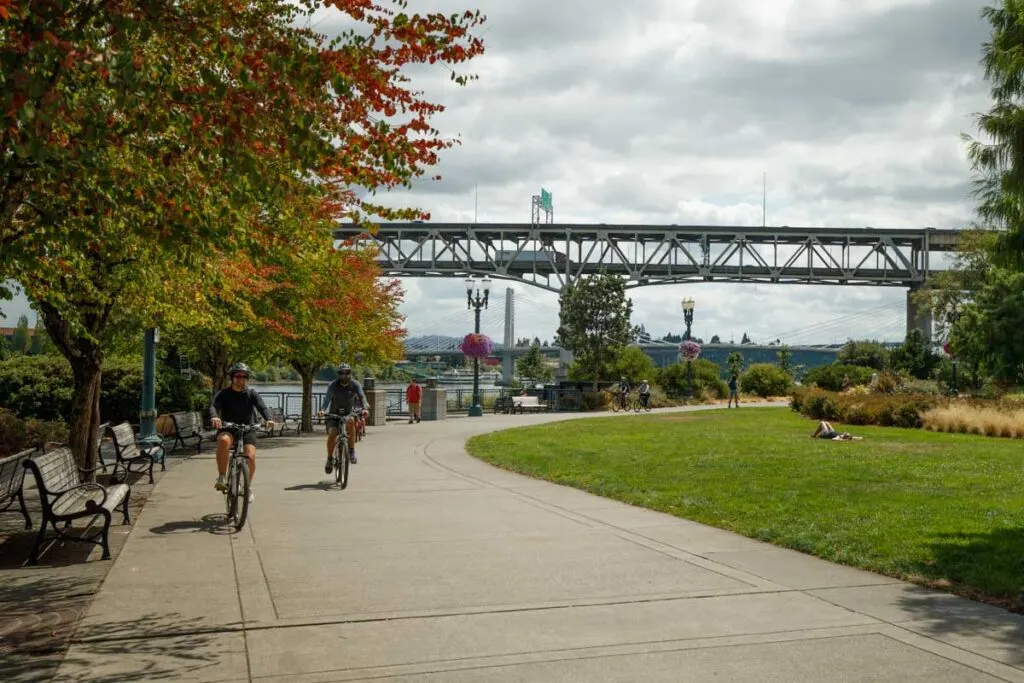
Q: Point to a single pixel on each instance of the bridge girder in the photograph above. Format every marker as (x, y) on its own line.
(552, 255)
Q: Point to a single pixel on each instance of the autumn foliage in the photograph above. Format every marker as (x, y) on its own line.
(181, 163)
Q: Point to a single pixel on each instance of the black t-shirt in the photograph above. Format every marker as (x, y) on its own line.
(238, 406)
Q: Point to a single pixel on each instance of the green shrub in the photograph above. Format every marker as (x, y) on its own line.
(38, 387)
(17, 435)
(764, 380)
(41, 388)
(884, 410)
(831, 377)
(707, 380)
(599, 400)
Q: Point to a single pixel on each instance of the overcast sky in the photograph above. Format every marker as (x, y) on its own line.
(669, 111)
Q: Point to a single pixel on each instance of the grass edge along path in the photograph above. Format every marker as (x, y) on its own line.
(941, 510)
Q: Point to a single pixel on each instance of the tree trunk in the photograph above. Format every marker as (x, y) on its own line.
(85, 354)
(84, 420)
(306, 372)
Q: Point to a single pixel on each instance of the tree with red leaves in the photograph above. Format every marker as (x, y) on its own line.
(148, 146)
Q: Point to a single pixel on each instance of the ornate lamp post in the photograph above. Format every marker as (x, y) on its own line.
(477, 292)
(688, 306)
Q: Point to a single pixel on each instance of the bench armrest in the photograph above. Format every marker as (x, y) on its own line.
(85, 485)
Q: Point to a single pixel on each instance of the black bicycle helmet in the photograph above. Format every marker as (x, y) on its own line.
(237, 368)
(344, 367)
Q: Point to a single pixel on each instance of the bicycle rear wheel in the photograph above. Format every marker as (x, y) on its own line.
(341, 455)
(636, 405)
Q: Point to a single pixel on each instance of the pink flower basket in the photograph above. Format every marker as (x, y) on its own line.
(689, 350)
(477, 345)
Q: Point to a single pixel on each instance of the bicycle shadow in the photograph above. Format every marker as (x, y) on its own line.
(321, 486)
(216, 524)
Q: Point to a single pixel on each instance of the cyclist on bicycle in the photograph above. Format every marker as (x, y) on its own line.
(645, 393)
(624, 388)
(237, 403)
(344, 395)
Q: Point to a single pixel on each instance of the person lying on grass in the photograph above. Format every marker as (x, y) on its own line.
(825, 431)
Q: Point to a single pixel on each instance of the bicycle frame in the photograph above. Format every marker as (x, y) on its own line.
(342, 447)
(238, 459)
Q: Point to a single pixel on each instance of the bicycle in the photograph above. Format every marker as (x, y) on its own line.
(620, 401)
(341, 453)
(640, 403)
(238, 478)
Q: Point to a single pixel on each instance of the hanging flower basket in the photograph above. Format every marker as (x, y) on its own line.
(689, 350)
(477, 345)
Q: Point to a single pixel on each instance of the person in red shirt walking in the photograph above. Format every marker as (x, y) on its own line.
(413, 396)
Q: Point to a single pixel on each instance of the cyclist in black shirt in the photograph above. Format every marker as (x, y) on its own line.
(344, 395)
(237, 403)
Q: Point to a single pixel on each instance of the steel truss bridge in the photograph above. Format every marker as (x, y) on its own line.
(553, 255)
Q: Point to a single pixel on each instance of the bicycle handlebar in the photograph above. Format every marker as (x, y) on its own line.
(235, 427)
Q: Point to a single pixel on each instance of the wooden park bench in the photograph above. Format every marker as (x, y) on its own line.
(131, 452)
(531, 404)
(12, 477)
(187, 427)
(282, 423)
(65, 498)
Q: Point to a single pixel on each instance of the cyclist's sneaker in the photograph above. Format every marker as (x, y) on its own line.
(329, 466)
(252, 495)
(220, 484)
(352, 457)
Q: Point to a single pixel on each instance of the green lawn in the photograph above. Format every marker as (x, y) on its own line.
(941, 509)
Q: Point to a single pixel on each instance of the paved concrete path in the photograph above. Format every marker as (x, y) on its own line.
(433, 566)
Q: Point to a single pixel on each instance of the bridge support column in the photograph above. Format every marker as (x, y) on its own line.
(564, 360)
(507, 360)
(918, 317)
(435, 402)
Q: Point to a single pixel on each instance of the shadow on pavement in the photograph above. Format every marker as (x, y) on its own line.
(185, 650)
(212, 524)
(973, 560)
(322, 486)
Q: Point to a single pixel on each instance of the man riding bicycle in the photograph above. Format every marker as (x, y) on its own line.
(344, 395)
(237, 403)
(644, 390)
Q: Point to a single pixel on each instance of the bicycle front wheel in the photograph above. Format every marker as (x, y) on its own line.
(341, 464)
(616, 404)
(636, 405)
(241, 489)
(229, 493)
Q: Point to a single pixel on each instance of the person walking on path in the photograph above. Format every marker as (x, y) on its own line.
(734, 390)
(414, 397)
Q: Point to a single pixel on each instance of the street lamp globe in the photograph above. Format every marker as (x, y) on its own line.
(486, 282)
(688, 304)
(470, 286)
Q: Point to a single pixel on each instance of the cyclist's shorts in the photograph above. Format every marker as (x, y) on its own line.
(332, 423)
(249, 439)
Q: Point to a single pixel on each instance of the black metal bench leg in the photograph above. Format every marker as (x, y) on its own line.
(124, 507)
(24, 509)
(105, 537)
(33, 557)
(163, 459)
(152, 462)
